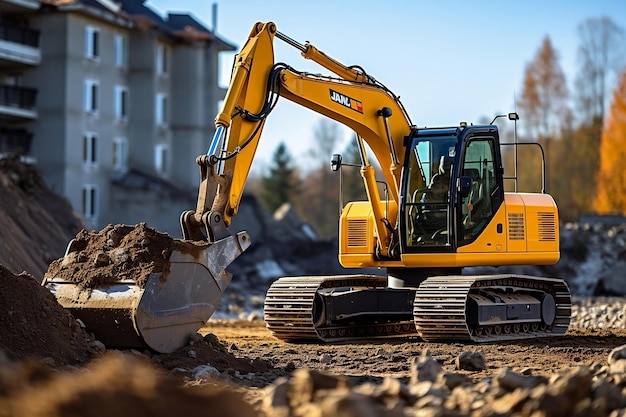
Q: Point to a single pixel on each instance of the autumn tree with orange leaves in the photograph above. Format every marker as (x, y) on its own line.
(611, 185)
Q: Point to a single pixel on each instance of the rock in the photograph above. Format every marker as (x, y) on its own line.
(425, 368)
(97, 346)
(48, 361)
(511, 381)
(617, 360)
(507, 404)
(276, 401)
(254, 316)
(471, 361)
(326, 359)
(204, 372)
(609, 393)
(101, 259)
(570, 384)
(349, 404)
(452, 380)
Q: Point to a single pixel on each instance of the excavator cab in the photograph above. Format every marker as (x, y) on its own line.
(452, 187)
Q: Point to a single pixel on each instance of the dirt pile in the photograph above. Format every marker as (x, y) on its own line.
(190, 362)
(114, 385)
(118, 252)
(35, 223)
(34, 325)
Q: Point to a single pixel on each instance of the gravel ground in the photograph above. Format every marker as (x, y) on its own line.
(599, 312)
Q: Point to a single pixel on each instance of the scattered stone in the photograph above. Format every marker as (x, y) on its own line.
(254, 316)
(425, 368)
(511, 381)
(204, 372)
(471, 361)
(452, 380)
(617, 360)
(326, 359)
(97, 346)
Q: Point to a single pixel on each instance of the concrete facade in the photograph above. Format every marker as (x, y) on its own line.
(125, 101)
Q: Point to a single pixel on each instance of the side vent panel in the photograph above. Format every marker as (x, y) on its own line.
(357, 233)
(546, 224)
(516, 226)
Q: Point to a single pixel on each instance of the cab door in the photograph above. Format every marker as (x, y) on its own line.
(477, 205)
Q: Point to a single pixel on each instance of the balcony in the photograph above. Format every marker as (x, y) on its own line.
(15, 141)
(19, 46)
(19, 6)
(17, 103)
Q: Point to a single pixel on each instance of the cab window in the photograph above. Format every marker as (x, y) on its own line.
(476, 207)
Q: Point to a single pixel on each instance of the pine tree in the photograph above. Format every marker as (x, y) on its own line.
(279, 185)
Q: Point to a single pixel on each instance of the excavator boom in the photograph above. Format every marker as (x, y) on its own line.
(354, 99)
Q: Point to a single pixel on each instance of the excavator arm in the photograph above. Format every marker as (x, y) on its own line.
(352, 98)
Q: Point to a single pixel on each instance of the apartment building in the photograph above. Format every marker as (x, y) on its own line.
(113, 103)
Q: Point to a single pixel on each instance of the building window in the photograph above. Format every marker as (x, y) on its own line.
(91, 96)
(162, 58)
(90, 149)
(120, 51)
(120, 154)
(89, 201)
(121, 102)
(161, 109)
(161, 158)
(92, 42)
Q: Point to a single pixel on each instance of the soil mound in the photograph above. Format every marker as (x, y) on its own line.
(118, 252)
(210, 350)
(115, 385)
(34, 325)
(35, 223)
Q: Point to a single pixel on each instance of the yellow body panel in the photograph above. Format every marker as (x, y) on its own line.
(524, 231)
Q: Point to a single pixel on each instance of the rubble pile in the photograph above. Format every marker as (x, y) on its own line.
(126, 385)
(581, 391)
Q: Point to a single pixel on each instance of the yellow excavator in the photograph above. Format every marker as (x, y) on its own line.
(444, 208)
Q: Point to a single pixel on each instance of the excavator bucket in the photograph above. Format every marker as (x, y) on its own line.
(166, 309)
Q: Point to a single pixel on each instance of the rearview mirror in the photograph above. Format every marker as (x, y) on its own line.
(335, 163)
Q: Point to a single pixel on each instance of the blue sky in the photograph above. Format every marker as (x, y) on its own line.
(449, 61)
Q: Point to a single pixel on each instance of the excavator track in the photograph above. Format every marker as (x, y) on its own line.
(441, 308)
(292, 304)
